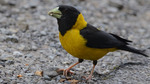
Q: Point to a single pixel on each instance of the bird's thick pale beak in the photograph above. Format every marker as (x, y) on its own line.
(55, 13)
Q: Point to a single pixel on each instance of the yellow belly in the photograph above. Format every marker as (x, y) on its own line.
(75, 44)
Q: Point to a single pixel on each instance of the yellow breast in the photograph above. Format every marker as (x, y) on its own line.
(75, 44)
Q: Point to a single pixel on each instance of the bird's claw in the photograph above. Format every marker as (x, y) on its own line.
(65, 71)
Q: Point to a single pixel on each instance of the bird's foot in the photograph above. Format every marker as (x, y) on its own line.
(65, 71)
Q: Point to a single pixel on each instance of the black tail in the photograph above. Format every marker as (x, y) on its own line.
(130, 49)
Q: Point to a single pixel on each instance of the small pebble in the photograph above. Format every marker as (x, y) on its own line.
(51, 73)
(42, 17)
(9, 62)
(17, 54)
(12, 38)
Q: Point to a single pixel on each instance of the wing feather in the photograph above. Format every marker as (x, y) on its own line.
(100, 39)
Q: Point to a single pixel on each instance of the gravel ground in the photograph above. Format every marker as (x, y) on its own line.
(30, 51)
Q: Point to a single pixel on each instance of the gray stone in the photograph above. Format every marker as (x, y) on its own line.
(17, 54)
(29, 74)
(3, 2)
(112, 9)
(15, 10)
(40, 82)
(43, 33)
(46, 77)
(22, 25)
(12, 38)
(2, 38)
(67, 82)
(12, 2)
(9, 62)
(42, 17)
(51, 82)
(58, 77)
(34, 48)
(13, 82)
(51, 73)
(2, 65)
(34, 3)
(116, 3)
(5, 31)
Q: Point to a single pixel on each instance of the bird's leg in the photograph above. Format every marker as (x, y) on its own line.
(90, 76)
(68, 69)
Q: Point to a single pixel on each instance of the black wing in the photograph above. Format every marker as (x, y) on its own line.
(100, 39)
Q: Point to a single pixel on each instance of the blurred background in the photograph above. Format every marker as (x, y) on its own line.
(29, 42)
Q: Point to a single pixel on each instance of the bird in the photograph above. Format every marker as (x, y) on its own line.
(84, 41)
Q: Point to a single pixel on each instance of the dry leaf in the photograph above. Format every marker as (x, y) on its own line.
(73, 81)
(62, 80)
(39, 73)
(26, 64)
(18, 76)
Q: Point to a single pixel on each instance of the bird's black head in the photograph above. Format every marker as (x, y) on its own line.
(63, 11)
(66, 16)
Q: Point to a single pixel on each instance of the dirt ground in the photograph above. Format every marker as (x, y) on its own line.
(30, 51)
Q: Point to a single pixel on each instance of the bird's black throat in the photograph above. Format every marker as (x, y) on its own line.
(66, 22)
